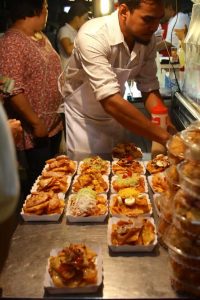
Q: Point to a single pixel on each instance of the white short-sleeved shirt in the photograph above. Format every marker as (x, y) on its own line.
(177, 22)
(99, 48)
(66, 31)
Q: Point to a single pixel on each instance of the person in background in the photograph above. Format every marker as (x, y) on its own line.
(26, 56)
(101, 63)
(75, 18)
(176, 20)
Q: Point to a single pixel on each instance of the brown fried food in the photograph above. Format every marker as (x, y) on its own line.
(126, 150)
(95, 181)
(36, 199)
(74, 266)
(131, 232)
(51, 205)
(158, 164)
(139, 206)
(126, 165)
(159, 183)
(37, 209)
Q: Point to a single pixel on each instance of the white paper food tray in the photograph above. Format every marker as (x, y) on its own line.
(35, 185)
(121, 215)
(36, 218)
(140, 162)
(129, 248)
(115, 177)
(90, 219)
(52, 289)
(150, 177)
(105, 177)
(106, 173)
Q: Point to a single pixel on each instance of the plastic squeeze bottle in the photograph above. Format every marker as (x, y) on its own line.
(159, 115)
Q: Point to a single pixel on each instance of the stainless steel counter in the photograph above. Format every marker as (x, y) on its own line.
(125, 275)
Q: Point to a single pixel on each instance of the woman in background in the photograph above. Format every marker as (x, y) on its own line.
(76, 17)
(27, 57)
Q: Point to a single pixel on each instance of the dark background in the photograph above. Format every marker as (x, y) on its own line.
(56, 16)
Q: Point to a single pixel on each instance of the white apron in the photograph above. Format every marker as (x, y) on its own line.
(89, 129)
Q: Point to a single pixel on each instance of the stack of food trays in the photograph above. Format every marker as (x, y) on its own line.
(74, 269)
(183, 235)
(130, 227)
(175, 149)
(46, 200)
(88, 201)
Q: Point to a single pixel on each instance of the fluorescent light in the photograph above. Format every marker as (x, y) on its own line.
(66, 9)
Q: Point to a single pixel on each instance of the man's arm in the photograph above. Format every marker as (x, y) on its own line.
(131, 118)
(23, 108)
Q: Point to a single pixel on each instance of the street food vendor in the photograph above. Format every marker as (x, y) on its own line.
(108, 51)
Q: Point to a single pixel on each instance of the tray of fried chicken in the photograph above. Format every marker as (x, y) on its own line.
(61, 164)
(51, 181)
(43, 206)
(94, 164)
(96, 181)
(131, 203)
(159, 164)
(87, 206)
(56, 175)
(125, 150)
(131, 234)
(75, 269)
(127, 164)
(129, 179)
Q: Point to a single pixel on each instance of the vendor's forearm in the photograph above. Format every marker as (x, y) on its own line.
(131, 118)
(24, 109)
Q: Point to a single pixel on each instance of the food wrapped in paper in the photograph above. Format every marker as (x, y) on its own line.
(131, 235)
(136, 181)
(158, 164)
(126, 165)
(76, 268)
(61, 164)
(87, 206)
(130, 203)
(97, 182)
(43, 206)
(94, 164)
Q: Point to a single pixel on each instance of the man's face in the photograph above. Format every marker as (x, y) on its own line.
(141, 23)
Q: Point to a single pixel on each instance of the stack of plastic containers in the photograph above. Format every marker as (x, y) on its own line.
(176, 149)
(183, 235)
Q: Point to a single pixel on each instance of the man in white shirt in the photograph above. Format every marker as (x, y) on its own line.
(176, 20)
(108, 51)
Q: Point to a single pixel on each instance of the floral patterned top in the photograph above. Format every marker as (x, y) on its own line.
(35, 66)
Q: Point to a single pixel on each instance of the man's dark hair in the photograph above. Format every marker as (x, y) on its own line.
(133, 4)
(24, 8)
(77, 9)
(176, 5)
